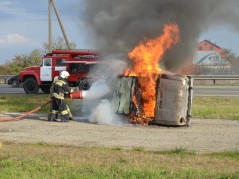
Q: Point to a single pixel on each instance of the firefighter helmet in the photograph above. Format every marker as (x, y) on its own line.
(64, 74)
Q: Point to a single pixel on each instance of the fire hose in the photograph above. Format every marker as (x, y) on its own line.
(74, 95)
(26, 114)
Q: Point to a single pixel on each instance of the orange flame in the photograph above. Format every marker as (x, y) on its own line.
(145, 58)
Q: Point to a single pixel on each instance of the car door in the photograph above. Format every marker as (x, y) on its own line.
(46, 70)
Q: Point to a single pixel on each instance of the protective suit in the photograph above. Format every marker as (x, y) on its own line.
(59, 89)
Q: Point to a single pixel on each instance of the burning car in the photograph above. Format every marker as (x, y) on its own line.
(171, 107)
(148, 94)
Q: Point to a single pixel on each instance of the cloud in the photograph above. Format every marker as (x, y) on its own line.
(5, 3)
(13, 39)
(10, 9)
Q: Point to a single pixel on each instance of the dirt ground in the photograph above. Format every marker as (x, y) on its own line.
(203, 135)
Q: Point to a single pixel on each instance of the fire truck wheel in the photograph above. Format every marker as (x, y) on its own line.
(30, 86)
(45, 89)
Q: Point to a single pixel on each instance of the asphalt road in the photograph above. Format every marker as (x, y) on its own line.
(8, 89)
(229, 91)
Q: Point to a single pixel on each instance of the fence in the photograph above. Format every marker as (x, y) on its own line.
(211, 78)
(4, 78)
(215, 79)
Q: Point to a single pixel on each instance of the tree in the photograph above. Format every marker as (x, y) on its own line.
(228, 55)
(16, 64)
(20, 61)
(3, 70)
(35, 57)
(57, 44)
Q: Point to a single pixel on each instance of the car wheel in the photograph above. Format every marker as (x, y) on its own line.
(30, 86)
(15, 83)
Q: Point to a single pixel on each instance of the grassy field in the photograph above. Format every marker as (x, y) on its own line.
(203, 107)
(42, 160)
(23, 102)
(216, 107)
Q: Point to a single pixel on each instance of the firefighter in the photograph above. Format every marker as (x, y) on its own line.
(59, 89)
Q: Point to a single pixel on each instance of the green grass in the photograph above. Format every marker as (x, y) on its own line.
(216, 107)
(203, 107)
(23, 102)
(177, 151)
(232, 155)
(53, 161)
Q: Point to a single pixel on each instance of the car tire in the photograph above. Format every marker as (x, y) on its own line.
(30, 86)
(15, 83)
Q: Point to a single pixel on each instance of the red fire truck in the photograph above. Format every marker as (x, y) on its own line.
(77, 62)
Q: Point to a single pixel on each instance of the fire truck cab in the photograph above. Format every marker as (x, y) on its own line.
(77, 62)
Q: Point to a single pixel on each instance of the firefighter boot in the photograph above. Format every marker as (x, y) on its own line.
(55, 117)
(65, 118)
(49, 117)
(71, 118)
(52, 116)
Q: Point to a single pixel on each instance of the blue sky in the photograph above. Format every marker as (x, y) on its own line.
(24, 27)
(223, 36)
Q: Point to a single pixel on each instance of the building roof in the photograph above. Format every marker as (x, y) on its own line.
(208, 58)
(210, 43)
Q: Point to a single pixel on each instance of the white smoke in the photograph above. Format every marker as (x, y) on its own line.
(98, 90)
(97, 100)
(103, 114)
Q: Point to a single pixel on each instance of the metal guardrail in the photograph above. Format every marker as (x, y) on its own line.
(215, 77)
(4, 78)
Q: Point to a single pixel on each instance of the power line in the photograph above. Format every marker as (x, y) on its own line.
(39, 11)
(81, 13)
(44, 19)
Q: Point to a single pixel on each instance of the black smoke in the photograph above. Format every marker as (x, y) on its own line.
(118, 25)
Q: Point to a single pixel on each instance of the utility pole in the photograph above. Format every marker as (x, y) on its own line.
(51, 3)
(61, 25)
(50, 23)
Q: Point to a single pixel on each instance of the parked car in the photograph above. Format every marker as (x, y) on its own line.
(14, 81)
